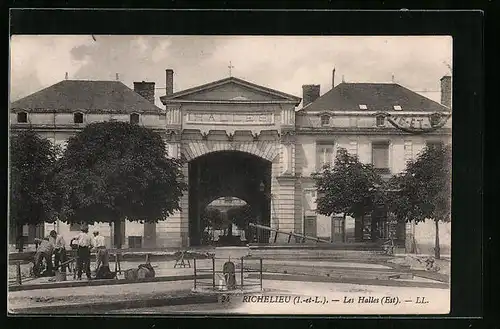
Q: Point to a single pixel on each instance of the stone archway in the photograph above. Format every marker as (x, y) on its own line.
(228, 173)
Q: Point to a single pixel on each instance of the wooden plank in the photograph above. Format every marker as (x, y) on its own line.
(105, 282)
(312, 278)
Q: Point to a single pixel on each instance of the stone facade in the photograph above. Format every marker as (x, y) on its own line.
(235, 115)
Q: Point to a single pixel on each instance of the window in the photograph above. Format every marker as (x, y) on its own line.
(397, 108)
(310, 226)
(431, 144)
(135, 242)
(134, 118)
(380, 121)
(338, 226)
(380, 157)
(22, 117)
(78, 117)
(75, 227)
(324, 155)
(325, 120)
(363, 107)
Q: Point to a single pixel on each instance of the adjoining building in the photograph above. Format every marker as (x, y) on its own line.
(250, 142)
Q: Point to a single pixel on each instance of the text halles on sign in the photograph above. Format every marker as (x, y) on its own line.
(230, 118)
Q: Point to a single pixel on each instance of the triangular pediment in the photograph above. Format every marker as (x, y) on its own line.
(231, 90)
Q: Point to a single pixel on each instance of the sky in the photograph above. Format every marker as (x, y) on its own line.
(284, 63)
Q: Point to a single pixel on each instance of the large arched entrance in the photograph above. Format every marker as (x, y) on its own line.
(229, 174)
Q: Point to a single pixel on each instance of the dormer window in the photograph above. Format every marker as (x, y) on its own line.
(397, 108)
(22, 117)
(363, 107)
(134, 118)
(325, 120)
(380, 121)
(78, 117)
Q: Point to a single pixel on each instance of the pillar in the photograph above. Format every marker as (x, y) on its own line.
(173, 231)
(283, 188)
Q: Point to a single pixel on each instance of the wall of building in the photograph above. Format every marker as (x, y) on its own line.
(425, 235)
(64, 120)
(401, 149)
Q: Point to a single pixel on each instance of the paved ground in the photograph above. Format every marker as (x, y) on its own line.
(65, 296)
(326, 298)
(437, 299)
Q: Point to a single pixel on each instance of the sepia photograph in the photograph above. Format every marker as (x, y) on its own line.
(176, 174)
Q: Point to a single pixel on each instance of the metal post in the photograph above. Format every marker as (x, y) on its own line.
(19, 278)
(241, 273)
(213, 272)
(194, 267)
(261, 274)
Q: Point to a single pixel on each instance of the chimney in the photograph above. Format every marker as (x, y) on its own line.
(146, 90)
(333, 78)
(169, 82)
(446, 91)
(309, 94)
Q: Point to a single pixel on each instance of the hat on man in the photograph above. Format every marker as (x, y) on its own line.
(84, 228)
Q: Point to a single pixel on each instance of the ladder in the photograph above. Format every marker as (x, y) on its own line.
(290, 234)
(181, 262)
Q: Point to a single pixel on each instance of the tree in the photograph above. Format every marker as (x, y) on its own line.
(212, 217)
(241, 216)
(32, 197)
(349, 187)
(112, 171)
(423, 191)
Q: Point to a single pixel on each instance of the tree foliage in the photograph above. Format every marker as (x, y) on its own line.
(349, 187)
(32, 188)
(423, 191)
(241, 216)
(115, 170)
(212, 217)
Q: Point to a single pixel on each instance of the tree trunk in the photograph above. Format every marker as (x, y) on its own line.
(359, 228)
(118, 233)
(20, 238)
(344, 235)
(437, 249)
(230, 230)
(373, 228)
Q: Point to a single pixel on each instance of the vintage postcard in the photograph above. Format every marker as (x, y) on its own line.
(230, 174)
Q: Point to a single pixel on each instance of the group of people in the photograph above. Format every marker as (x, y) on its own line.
(55, 246)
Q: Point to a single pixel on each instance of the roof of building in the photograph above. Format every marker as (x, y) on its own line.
(236, 81)
(376, 97)
(86, 96)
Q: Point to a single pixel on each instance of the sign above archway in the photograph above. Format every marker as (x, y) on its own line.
(196, 117)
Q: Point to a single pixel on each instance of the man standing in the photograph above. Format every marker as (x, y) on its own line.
(84, 244)
(43, 252)
(102, 256)
(59, 250)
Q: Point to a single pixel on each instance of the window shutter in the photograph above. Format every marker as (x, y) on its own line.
(408, 151)
(353, 148)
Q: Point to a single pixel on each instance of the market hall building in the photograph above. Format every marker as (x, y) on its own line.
(251, 142)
